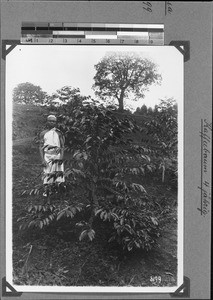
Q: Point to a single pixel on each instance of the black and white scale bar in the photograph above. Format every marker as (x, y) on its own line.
(98, 35)
(89, 33)
(89, 41)
(93, 35)
(64, 26)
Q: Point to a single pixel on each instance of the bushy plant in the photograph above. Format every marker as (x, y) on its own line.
(103, 159)
(161, 124)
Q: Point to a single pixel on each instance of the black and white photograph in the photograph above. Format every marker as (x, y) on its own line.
(94, 181)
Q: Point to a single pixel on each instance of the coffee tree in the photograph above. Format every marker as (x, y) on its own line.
(104, 167)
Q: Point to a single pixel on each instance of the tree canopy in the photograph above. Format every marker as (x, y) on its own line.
(141, 111)
(63, 96)
(67, 93)
(122, 75)
(28, 93)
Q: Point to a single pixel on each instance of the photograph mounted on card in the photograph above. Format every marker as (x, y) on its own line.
(95, 136)
(105, 149)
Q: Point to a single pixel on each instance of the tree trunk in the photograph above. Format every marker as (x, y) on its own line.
(121, 106)
(121, 101)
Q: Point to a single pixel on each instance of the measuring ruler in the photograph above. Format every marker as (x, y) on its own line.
(88, 33)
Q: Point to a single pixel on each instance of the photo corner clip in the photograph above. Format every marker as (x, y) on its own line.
(6, 286)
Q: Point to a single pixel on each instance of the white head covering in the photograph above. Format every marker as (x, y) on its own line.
(51, 118)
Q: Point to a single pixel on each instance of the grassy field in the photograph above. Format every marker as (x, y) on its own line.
(55, 256)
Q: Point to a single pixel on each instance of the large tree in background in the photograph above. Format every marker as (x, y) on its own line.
(119, 75)
(28, 93)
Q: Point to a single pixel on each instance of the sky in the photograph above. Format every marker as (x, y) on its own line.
(52, 67)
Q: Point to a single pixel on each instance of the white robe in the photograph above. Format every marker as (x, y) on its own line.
(51, 139)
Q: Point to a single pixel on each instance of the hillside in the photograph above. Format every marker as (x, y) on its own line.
(28, 120)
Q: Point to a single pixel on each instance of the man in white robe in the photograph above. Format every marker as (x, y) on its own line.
(51, 149)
